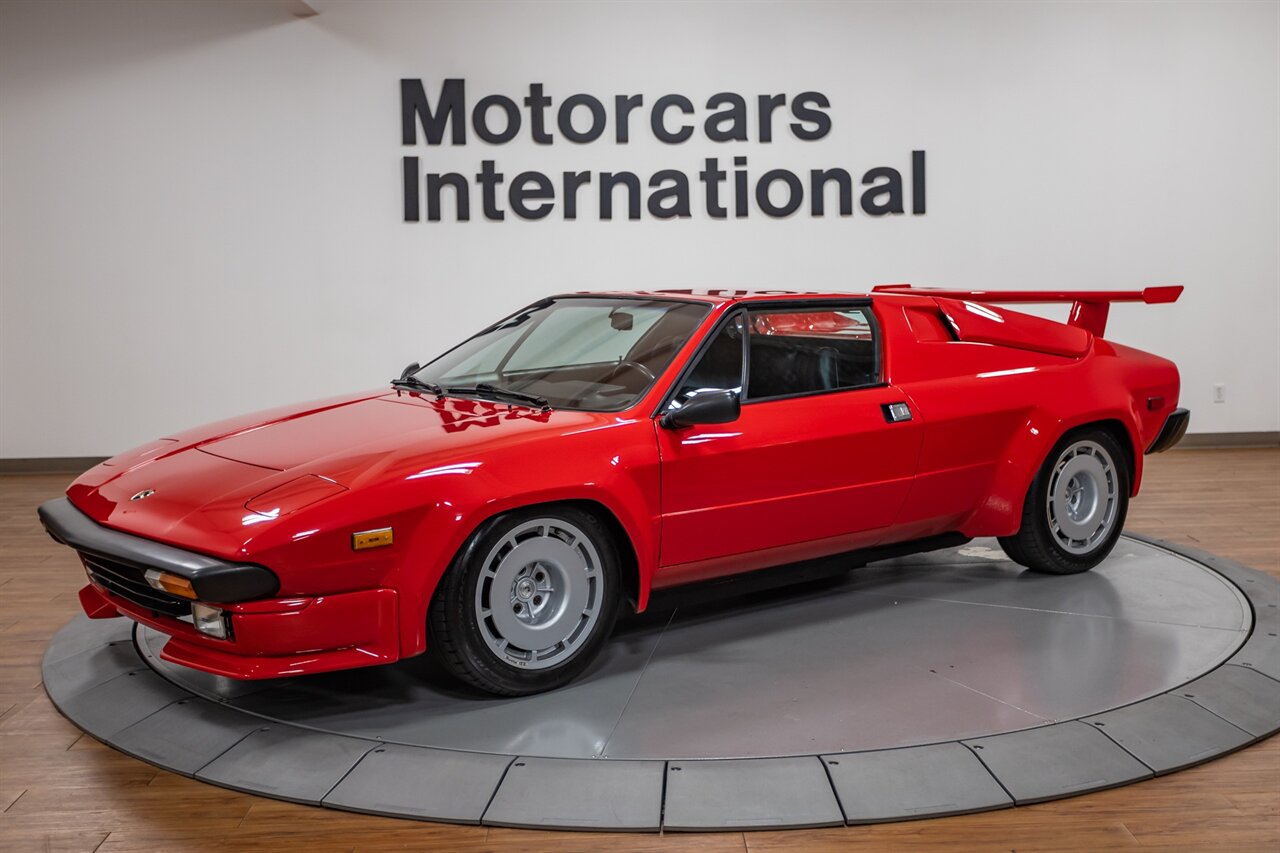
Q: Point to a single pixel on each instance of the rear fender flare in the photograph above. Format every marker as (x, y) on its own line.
(1001, 513)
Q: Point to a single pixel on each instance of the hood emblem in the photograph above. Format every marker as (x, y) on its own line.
(145, 493)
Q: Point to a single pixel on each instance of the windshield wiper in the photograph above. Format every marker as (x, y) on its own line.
(484, 389)
(413, 384)
(409, 382)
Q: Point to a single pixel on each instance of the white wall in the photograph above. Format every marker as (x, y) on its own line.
(200, 203)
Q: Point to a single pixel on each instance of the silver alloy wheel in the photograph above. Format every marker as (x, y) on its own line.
(540, 593)
(1083, 497)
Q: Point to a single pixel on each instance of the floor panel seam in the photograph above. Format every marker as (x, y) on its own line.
(196, 772)
(353, 766)
(494, 794)
(1192, 700)
(1048, 610)
(994, 698)
(835, 792)
(662, 802)
(1184, 697)
(1252, 669)
(1102, 730)
(604, 749)
(1012, 799)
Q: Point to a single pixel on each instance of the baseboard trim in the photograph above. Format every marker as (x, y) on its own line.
(1202, 440)
(50, 465)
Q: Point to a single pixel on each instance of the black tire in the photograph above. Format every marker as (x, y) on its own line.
(1044, 542)
(465, 629)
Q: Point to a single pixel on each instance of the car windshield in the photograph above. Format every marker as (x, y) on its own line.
(588, 353)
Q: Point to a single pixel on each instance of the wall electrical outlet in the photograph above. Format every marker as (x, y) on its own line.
(1219, 392)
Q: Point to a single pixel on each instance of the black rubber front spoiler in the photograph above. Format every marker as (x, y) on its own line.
(1175, 426)
(212, 579)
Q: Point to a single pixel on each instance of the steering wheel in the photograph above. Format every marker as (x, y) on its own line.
(634, 365)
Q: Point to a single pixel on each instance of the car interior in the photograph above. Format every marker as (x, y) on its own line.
(786, 358)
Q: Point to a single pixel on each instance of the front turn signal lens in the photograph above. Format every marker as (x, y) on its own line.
(171, 584)
(371, 539)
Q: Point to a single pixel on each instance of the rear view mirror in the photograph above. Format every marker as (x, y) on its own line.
(709, 407)
(621, 321)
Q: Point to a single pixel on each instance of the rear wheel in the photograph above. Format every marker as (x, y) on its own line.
(528, 602)
(1075, 508)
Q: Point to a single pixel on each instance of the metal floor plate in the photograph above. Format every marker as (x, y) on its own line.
(414, 781)
(577, 793)
(112, 706)
(1241, 696)
(941, 683)
(286, 762)
(901, 784)
(1169, 732)
(753, 793)
(186, 735)
(1057, 761)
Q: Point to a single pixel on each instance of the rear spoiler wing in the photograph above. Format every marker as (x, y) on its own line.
(1088, 310)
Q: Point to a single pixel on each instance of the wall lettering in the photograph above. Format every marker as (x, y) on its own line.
(673, 119)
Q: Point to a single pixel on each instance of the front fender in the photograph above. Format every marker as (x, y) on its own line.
(620, 476)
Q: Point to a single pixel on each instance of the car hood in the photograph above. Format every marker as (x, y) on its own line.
(297, 442)
(374, 437)
(214, 489)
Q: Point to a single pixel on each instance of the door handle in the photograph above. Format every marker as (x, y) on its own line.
(895, 413)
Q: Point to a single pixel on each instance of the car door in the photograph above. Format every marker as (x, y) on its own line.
(817, 461)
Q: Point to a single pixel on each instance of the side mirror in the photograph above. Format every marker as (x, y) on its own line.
(709, 407)
(409, 370)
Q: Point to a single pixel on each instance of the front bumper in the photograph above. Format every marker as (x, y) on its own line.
(268, 638)
(276, 637)
(121, 557)
(1175, 426)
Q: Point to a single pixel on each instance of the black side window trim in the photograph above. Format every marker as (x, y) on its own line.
(696, 356)
(821, 393)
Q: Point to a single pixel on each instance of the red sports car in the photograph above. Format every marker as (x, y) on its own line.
(500, 504)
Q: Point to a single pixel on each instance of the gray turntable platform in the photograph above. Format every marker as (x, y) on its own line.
(939, 684)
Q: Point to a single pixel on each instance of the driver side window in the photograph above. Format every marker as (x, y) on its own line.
(719, 367)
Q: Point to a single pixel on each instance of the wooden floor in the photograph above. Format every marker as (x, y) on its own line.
(61, 790)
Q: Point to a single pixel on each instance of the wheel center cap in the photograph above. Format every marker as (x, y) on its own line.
(1074, 493)
(524, 589)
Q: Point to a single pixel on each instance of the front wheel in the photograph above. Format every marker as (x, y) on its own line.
(1075, 508)
(528, 602)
